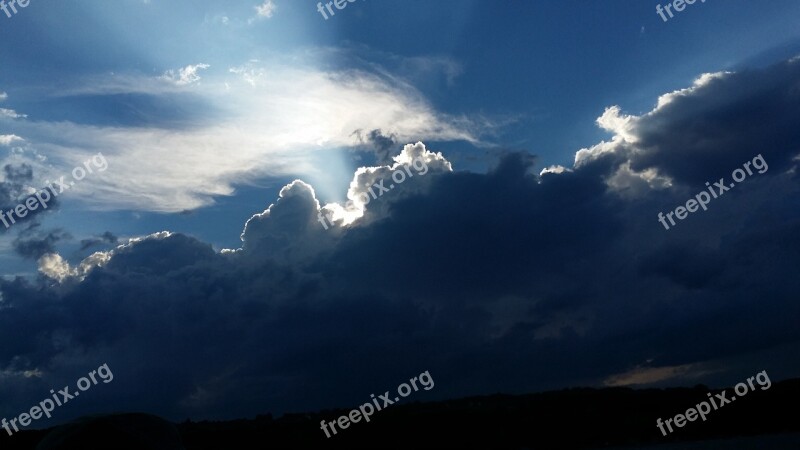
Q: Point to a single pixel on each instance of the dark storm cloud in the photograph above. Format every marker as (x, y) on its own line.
(722, 121)
(692, 138)
(14, 182)
(505, 281)
(33, 243)
(375, 141)
(105, 238)
(17, 174)
(13, 188)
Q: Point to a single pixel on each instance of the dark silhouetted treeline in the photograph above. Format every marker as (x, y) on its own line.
(567, 419)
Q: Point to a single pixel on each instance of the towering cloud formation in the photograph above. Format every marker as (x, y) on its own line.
(504, 281)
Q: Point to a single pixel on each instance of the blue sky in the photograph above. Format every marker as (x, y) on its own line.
(206, 111)
(537, 74)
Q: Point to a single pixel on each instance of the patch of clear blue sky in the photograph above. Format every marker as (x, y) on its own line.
(552, 65)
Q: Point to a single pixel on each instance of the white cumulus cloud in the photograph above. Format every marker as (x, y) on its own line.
(186, 75)
(8, 139)
(266, 10)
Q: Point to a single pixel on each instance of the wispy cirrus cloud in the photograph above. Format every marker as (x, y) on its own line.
(11, 114)
(653, 375)
(264, 119)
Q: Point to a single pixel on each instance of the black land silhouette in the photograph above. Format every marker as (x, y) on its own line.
(567, 419)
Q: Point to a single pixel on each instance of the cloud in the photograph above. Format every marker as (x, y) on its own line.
(105, 238)
(11, 114)
(552, 278)
(15, 189)
(687, 138)
(270, 120)
(53, 266)
(8, 139)
(34, 244)
(265, 10)
(650, 375)
(376, 142)
(185, 76)
(280, 229)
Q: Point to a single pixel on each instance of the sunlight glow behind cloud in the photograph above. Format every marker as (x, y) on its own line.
(272, 120)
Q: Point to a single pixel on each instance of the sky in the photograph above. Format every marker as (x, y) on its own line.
(212, 242)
